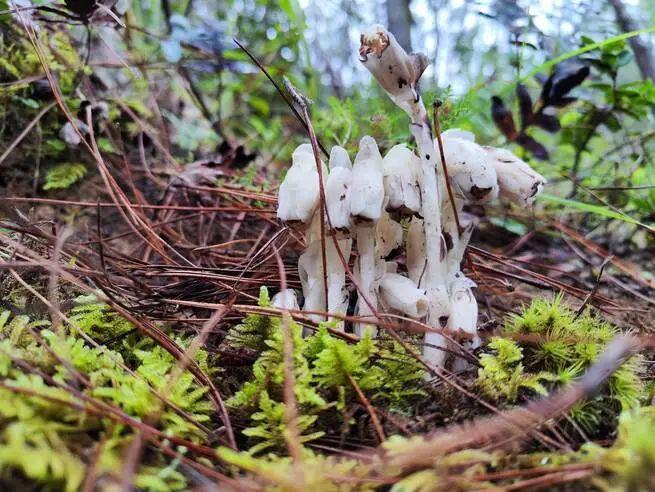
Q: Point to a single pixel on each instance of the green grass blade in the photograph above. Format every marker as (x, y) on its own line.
(590, 47)
(593, 209)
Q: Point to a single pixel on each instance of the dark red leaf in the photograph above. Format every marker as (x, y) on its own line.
(563, 101)
(534, 147)
(548, 122)
(83, 8)
(565, 78)
(503, 118)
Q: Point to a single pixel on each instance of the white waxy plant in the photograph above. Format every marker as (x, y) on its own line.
(366, 206)
(299, 195)
(398, 73)
(400, 170)
(337, 189)
(363, 200)
(517, 181)
(473, 176)
(285, 299)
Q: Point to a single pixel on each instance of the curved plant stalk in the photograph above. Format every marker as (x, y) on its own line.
(398, 73)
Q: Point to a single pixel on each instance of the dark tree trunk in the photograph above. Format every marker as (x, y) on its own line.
(400, 22)
(639, 48)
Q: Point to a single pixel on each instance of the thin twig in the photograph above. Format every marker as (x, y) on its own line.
(304, 103)
(437, 130)
(26, 130)
(304, 122)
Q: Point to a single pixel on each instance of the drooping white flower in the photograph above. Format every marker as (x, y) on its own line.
(397, 72)
(337, 189)
(285, 299)
(470, 169)
(388, 235)
(299, 193)
(367, 190)
(464, 308)
(400, 170)
(517, 181)
(399, 293)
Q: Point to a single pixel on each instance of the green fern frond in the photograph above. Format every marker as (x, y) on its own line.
(97, 319)
(255, 329)
(64, 175)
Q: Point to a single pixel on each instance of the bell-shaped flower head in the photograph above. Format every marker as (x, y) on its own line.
(470, 169)
(299, 193)
(400, 170)
(396, 71)
(337, 189)
(367, 191)
(399, 293)
(517, 181)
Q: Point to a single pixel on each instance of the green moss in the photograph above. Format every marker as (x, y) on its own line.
(44, 436)
(326, 369)
(548, 346)
(628, 464)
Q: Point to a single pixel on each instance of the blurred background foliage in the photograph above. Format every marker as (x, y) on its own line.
(177, 67)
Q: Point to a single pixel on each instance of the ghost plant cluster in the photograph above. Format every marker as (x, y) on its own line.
(387, 206)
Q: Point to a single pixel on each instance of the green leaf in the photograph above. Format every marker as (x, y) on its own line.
(593, 209)
(64, 175)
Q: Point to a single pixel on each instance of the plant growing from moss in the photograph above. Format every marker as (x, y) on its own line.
(255, 329)
(262, 396)
(548, 346)
(326, 370)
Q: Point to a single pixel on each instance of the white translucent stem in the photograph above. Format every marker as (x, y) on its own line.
(311, 279)
(398, 73)
(464, 314)
(415, 252)
(435, 274)
(366, 274)
(337, 292)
